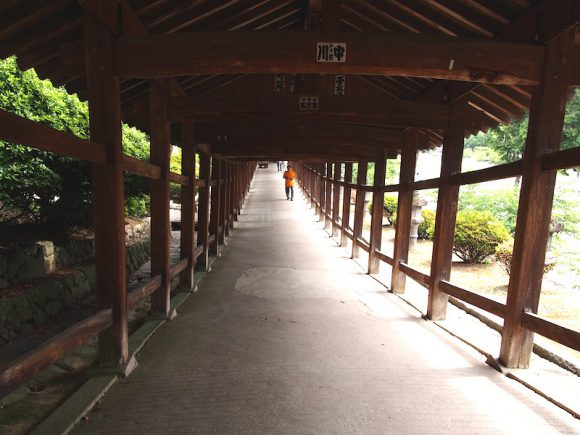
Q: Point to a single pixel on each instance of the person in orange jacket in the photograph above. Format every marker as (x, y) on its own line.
(289, 176)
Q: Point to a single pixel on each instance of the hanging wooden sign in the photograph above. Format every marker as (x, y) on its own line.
(279, 82)
(308, 103)
(331, 52)
(339, 84)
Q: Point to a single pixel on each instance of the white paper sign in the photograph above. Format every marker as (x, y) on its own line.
(339, 84)
(308, 103)
(331, 52)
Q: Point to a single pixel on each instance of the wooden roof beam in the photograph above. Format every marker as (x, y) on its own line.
(332, 109)
(451, 58)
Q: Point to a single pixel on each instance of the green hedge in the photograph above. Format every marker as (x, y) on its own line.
(477, 235)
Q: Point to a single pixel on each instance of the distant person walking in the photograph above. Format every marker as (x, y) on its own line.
(279, 163)
(289, 176)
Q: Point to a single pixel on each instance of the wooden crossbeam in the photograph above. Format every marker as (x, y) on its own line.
(303, 141)
(433, 56)
(331, 109)
(226, 131)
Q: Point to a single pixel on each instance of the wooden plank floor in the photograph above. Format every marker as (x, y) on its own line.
(287, 335)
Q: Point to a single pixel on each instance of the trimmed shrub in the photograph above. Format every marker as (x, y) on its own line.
(389, 208)
(477, 235)
(503, 255)
(427, 227)
(137, 206)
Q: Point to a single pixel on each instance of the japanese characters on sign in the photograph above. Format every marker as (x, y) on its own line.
(331, 52)
(279, 83)
(339, 84)
(308, 103)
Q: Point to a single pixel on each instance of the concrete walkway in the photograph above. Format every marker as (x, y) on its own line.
(287, 335)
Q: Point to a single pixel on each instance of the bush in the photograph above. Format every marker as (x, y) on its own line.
(138, 206)
(503, 255)
(427, 227)
(477, 235)
(389, 208)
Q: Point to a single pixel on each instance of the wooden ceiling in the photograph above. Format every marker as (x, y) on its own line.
(47, 35)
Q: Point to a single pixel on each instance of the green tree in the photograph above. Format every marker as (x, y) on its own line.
(43, 187)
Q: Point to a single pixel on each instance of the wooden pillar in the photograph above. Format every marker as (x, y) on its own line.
(160, 223)
(223, 222)
(203, 211)
(336, 199)
(346, 204)
(235, 192)
(227, 194)
(377, 214)
(359, 207)
(446, 212)
(321, 192)
(215, 207)
(187, 241)
(328, 196)
(231, 197)
(103, 92)
(536, 196)
(404, 211)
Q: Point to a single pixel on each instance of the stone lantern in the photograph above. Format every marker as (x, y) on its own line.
(416, 218)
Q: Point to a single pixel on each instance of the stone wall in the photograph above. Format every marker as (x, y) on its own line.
(45, 298)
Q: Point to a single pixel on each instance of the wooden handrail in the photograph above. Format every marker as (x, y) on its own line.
(384, 257)
(140, 167)
(475, 299)
(420, 277)
(553, 331)
(134, 296)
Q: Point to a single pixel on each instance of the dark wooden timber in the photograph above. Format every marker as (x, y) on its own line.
(499, 172)
(536, 195)
(160, 224)
(420, 277)
(140, 167)
(365, 110)
(328, 196)
(19, 130)
(108, 196)
(562, 159)
(321, 191)
(223, 223)
(182, 180)
(216, 206)
(139, 293)
(551, 330)
(202, 262)
(376, 234)
(414, 55)
(432, 183)
(384, 257)
(404, 212)
(346, 204)
(29, 364)
(361, 179)
(187, 240)
(336, 199)
(472, 298)
(446, 213)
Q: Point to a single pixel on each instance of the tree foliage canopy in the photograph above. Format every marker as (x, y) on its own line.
(41, 186)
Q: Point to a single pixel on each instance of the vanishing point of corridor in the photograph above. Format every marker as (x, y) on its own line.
(291, 336)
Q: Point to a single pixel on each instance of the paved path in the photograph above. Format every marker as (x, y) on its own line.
(287, 335)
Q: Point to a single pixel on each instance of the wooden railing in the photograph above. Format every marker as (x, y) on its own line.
(232, 186)
(311, 178)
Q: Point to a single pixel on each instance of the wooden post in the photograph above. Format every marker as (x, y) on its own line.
(359, 207)
(536, 196)
(103, 92)
(404, 211)
(203, 211)
(187, 241)
(328, 196)
(377, 214)
(160, 223)
(321, 192)
(346, 204)
(223, 222)
(215, 208)
(226, 199)
(336, 199)
(231, 197)
(446, 212)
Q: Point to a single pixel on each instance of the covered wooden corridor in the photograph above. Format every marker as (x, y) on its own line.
(289, 335)
(281, 338)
